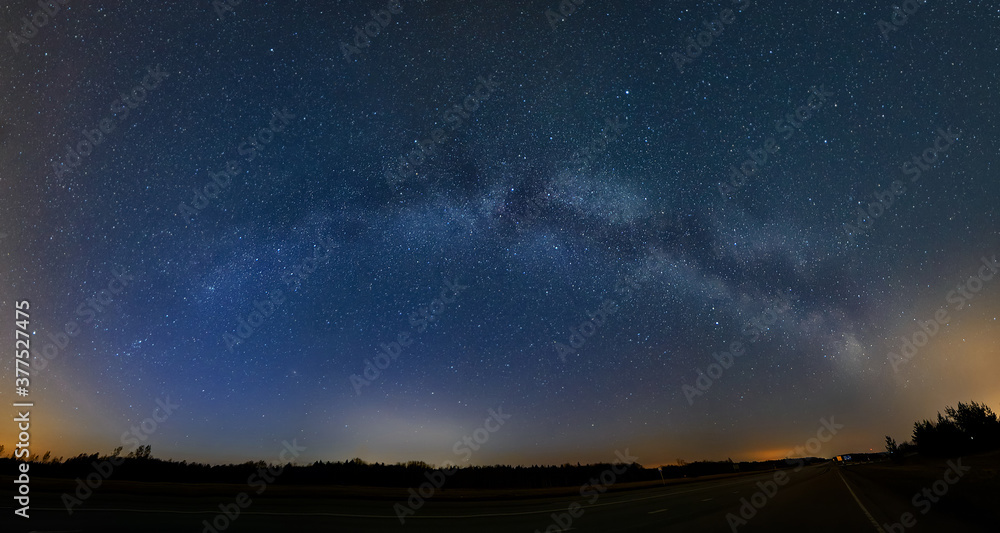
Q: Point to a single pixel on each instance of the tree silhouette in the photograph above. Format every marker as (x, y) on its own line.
(976, 421)
(890, 445)
(969, 428)
(142, 452)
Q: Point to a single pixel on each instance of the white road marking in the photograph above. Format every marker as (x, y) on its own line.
(861, 505)
(654, 512)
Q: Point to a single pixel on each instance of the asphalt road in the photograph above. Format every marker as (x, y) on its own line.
(818, 498)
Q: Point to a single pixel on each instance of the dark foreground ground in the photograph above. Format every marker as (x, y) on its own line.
(826, 497)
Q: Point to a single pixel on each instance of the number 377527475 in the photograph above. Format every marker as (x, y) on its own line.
(22, 346)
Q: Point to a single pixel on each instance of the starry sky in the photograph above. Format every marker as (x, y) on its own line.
(560, 249)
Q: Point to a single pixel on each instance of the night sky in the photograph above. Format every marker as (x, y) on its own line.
(561, 250)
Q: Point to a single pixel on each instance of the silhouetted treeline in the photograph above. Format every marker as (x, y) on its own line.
(970, 428)
(144, 467)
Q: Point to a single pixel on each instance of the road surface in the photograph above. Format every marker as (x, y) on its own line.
(818, 498)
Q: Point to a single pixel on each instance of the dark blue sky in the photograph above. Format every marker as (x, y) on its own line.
(560, 249)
